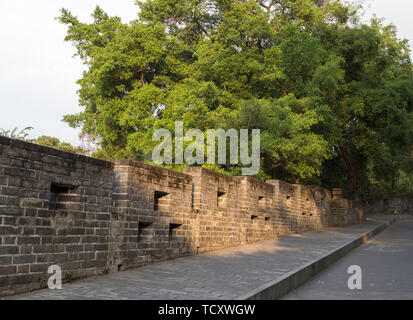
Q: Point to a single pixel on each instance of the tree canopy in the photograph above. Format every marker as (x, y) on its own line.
(54, 142)
(333, 97)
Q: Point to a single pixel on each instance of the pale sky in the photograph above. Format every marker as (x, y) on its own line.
(38, 71)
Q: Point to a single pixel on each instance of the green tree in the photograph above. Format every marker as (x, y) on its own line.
(333, 99)
(15, 134)
(371, 104)
(54, 142)
(47, 141)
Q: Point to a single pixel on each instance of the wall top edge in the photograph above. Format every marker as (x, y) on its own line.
(33, 147)
(188, 173)
(149, 167)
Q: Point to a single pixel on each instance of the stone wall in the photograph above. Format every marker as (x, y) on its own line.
(92, 217)
(385, 206)
(152, 216)
(54, 209)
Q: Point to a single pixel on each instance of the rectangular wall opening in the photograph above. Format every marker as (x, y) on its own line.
(261, 202)
(145, 231)
(59, 193)
(193, 196)
(221, 199)
(267, 222)
(174, 231)
(254, 217)
(161, 201)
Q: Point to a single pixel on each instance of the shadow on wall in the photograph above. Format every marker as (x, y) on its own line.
(388, 206)
(93, 217)
(55, 208)
(152, 215)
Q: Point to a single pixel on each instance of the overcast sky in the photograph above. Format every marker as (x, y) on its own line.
(38, 72)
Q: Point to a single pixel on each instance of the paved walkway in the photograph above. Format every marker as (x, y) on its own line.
(386, 262)
(224, 274)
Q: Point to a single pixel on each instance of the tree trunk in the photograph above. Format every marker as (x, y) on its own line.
(393, 177)
(352, 170)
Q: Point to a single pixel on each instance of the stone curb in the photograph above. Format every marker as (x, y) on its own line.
(279, 287)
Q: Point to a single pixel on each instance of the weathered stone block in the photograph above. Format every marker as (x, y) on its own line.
(23, 259)
(4, 270)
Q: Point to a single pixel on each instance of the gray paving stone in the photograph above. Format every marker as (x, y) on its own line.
(387, 269)
(224, 274)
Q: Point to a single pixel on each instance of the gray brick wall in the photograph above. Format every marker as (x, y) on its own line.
(93, 217)
(386, 206)
(54, 209)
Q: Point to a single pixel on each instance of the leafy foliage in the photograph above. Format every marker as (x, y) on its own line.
(15, 134)
(57, 144)
(333, 99)
(43, 140)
